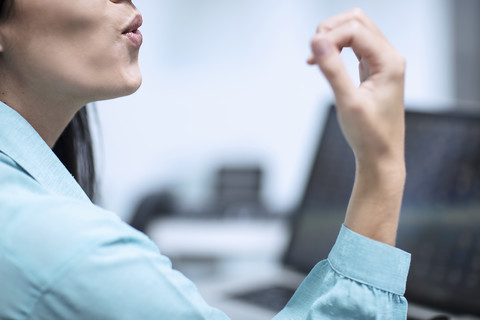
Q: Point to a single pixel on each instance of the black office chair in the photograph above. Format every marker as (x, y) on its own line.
(151, 206)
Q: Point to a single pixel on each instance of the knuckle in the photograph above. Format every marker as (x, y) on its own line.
(357, 14)
(323, 27)
(355, 26)
(317, 39)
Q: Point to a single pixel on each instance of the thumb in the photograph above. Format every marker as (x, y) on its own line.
(327, 56)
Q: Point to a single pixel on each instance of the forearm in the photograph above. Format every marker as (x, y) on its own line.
(375, 203)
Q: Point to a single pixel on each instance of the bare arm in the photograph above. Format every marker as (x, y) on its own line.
(371, 117)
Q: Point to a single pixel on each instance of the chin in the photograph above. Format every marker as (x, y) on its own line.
(111, 85)
(122, 88)
(132, 87)
(132, 81)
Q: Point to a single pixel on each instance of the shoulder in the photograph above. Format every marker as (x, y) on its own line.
(44, 234)
(29, 212)
(42, 231)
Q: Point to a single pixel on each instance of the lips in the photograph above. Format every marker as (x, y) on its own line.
(132, 32)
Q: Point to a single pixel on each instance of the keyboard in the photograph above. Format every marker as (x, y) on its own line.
(273, 298)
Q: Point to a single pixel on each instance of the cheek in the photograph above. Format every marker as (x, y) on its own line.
(90, 65)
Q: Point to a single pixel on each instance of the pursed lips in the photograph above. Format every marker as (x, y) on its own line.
(132, 31)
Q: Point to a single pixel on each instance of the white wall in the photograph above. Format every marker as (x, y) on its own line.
(226, 81)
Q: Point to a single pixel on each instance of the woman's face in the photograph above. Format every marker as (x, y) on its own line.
(85, 50)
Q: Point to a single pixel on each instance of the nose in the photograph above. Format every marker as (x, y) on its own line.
(118, 1)
(130, 2)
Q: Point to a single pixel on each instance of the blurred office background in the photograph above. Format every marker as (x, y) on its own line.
(226, 84)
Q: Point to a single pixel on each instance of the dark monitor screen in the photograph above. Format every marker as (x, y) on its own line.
(440, 219)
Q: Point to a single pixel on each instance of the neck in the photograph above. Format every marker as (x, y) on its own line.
(49, 117)
(47, 121)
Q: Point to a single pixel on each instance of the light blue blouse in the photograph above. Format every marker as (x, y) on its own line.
(61, 257)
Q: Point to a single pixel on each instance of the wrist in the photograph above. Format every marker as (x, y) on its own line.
(384, 171)
(374, 207)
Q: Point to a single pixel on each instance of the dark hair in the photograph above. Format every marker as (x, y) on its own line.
(5, 8)
(74, 147)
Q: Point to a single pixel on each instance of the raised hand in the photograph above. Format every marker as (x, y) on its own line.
(371, 116)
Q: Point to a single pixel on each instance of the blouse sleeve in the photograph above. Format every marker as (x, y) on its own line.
(127, 278)
(361, 279)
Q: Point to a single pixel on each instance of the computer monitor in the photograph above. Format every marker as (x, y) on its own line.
(440, 218)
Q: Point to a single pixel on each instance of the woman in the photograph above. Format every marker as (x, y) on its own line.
(61, 257)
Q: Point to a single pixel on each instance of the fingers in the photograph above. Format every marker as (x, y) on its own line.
(355, 14)
(327, 56)
(354, 17)
(350, 29)
(365, 42)
(353, 29)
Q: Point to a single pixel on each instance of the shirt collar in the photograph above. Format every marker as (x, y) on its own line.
(20, 141)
